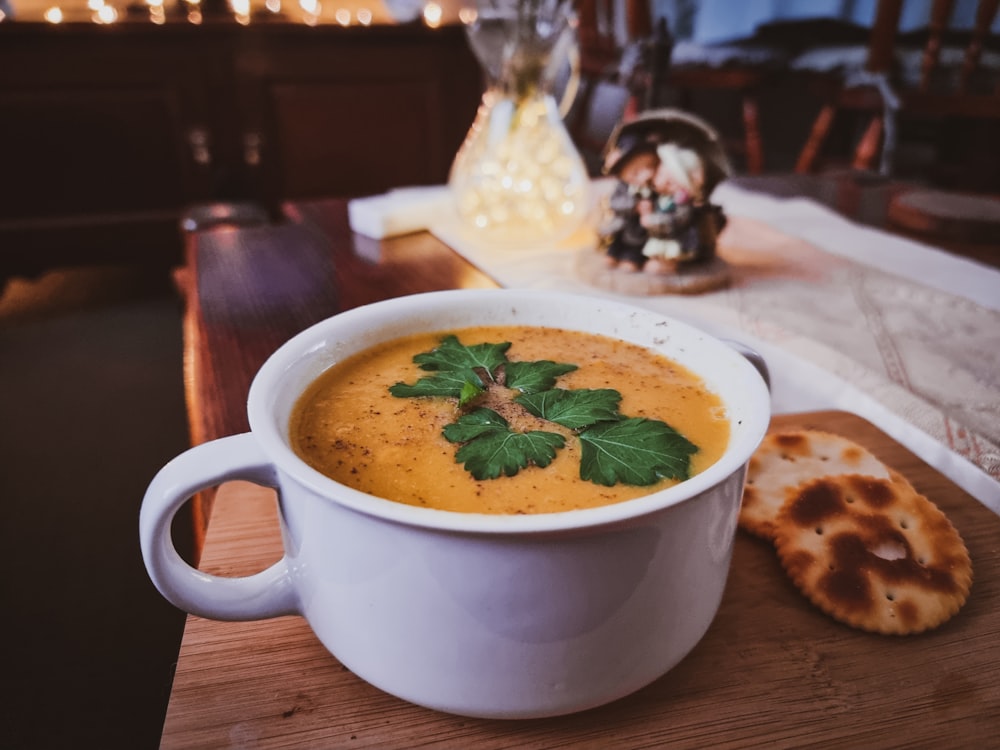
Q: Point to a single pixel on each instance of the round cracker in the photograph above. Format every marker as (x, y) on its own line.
(785, 460)
(874, 554)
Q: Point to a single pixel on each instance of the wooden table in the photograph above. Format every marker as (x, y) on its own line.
(771, 672)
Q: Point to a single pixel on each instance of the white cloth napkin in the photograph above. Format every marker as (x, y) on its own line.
(400, 211)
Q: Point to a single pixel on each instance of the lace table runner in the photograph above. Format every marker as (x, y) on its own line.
(929, 356)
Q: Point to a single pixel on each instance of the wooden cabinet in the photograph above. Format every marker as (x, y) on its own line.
(351, 117)
(110, 133)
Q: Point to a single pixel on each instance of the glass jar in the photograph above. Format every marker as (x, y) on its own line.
(518, 177)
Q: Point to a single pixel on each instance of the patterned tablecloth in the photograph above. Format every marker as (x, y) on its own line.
(848, 317)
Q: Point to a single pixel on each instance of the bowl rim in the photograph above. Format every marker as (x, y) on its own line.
(307, 345)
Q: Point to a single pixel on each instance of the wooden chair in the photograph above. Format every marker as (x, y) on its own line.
(900, 80)
(742, 70)
(617, 75)
(622, 77)
(600, 46)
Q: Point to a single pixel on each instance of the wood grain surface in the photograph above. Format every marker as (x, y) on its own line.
(772, 671)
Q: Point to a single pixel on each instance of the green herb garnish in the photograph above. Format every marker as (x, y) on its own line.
(634, 451)
(491, 448)
(573, 409)
(532, 377)
(614, 448)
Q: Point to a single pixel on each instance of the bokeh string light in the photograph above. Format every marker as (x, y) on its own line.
(344, 13)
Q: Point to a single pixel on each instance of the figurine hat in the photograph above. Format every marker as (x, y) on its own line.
(628, 141)
(669, 126)
(621, 156)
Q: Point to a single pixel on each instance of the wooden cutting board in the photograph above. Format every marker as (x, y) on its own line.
(772, 671)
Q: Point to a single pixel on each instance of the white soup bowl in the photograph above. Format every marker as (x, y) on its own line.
(475, 614)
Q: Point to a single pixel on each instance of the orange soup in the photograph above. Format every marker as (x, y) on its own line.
(566, 421)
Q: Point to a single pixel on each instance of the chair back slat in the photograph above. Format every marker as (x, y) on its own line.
(638, 18)
(597, 49)
(985, 13)
(882, 42)
(937, 26)
(598, 27)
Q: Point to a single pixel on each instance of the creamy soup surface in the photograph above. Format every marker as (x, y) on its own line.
(351, 428)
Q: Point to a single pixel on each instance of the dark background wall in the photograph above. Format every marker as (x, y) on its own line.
(91, 405)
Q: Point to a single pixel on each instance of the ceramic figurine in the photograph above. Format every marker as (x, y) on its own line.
(660, 218)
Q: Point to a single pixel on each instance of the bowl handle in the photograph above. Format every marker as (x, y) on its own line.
(753, 357)
(270, 593)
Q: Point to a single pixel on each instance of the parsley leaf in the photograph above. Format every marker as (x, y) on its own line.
(453, 356)
(532, 377)
(491, 448)
(459, 370)
(448, 384)
(573, 409)
(636, 451)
